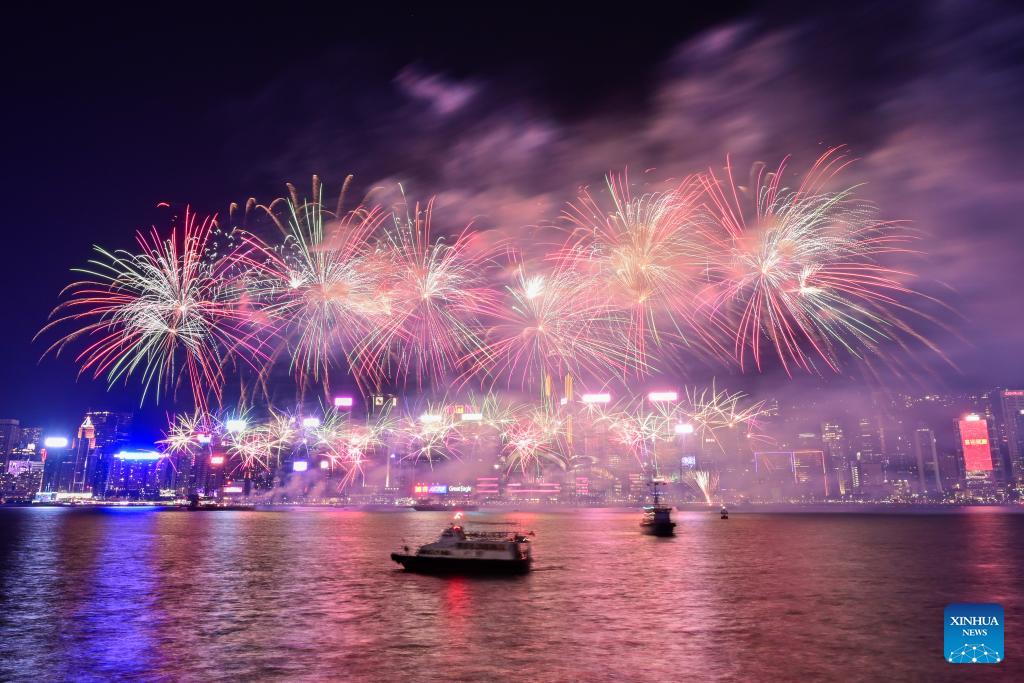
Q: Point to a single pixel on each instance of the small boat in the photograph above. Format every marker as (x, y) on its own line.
(469, 552)
(657, 519)
(725, 513)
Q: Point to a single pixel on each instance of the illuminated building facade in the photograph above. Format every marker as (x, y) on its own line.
(137, 475)
(837, 456)
(975, 442)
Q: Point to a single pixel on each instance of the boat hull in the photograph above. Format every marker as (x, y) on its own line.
(464, 567)
(660, 529)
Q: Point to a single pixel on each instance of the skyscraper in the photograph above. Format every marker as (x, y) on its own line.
(975, 440)
(10, 433)
(1011, 402)
(101, 434)
(870, 461)
(837, 456)
(928, 475)
(83, 456)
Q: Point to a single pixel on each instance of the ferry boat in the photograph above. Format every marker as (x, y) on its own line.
(463, 551)
(725, 513)
(657, 519)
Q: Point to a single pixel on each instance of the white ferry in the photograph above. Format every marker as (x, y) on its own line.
(461, 551)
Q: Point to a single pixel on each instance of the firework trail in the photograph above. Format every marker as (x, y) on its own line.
(534, 438)
(639, 428)
(251, 449)
(429, 435)
(320, 289)
(730, 272)
(710, 411)
(348, 447)
(549, 324)
(165, 315)
(649, 255)
(705, 481)
(797, 270)
(184, 432)
(439, 293)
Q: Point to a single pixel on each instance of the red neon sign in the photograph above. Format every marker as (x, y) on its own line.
(974, 442)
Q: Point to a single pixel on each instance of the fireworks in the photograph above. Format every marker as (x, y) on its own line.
(648, 256)
(165, 314)
(798, 270)
(709, 412)
(549, 324)
(641, 280)
(705, 481)
(533, 439)
(638, 428)
(318, 289)
(439, 294)
(183, 435)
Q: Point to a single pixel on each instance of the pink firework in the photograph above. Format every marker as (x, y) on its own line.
(439, 291)
(320, 290)
(648, 254)
(799, 270)
(534, 439)
(549, 323)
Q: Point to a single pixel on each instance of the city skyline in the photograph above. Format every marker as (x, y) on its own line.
(926, 448)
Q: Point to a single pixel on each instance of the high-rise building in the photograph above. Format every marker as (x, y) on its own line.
(1011, 403)
(869, 441)
(10, 433)
(31, 439)
(811, 473)
(786, 474)
(99, 437)
(83, 457)
(22, 479)
(975, 441)
(869, 458)
(137, 475)
(837, 456)
(928, 473)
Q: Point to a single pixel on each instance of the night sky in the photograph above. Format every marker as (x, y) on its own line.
(503, 117)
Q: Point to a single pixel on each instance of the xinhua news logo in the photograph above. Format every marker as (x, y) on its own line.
(973, 634)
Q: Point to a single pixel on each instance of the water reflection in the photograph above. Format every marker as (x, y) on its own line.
(313, 594)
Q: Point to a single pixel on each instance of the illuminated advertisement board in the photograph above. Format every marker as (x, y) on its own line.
(975, 445)
(441, 489)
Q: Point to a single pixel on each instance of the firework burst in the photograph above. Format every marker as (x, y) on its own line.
(166, 314)
(649, 255)
(429, 435)
(710, 412)
(550, 324)
(536, 437)
(319, 290)
(704, 481)
(798, 270)
(439, 291)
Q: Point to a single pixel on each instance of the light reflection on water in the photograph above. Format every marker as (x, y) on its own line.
(312, 594)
